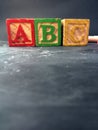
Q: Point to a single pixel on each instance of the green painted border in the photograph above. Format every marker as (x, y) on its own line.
(41, 20)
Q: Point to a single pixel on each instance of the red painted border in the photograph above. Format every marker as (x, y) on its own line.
(20, 20)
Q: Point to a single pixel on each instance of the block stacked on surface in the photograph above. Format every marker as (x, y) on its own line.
(21, 32)
(48, 31)
(75, 32)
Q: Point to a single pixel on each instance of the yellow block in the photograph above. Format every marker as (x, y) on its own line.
(75, 32)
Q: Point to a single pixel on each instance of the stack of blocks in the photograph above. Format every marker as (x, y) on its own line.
(47, 32)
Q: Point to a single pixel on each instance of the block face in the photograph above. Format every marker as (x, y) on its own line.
(21, 32)
(75, 32)
(48, 31)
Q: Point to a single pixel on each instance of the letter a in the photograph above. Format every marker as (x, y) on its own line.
(21, 36)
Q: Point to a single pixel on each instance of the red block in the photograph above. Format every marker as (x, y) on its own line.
(21, 32)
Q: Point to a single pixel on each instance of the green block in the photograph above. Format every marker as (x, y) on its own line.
(48, 31)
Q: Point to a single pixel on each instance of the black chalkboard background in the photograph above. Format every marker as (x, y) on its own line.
(49, 8)
(48, 88)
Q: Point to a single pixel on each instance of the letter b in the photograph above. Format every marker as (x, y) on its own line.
(47, 33)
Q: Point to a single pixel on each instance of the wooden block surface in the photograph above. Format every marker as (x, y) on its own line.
(21, 32)
(48, 31)
(75, 32)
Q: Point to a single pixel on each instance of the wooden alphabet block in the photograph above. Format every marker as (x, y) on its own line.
(21, 32)
(48, 31)
(75, 32)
